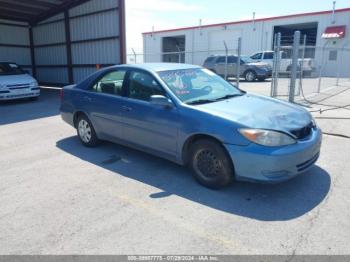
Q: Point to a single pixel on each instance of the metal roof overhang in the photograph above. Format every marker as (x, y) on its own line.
(334, 32)
(34, 11)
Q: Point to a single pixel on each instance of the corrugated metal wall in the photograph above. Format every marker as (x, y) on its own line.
(94, 28)
(14, 43)
(90, 31)
(68, 46)
(50, 51)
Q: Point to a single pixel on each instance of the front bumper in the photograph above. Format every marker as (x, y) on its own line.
(275, 164)
(11, 95)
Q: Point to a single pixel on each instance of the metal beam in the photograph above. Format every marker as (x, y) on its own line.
(13, 18)
(13, 15)
(20, 8)
(32, 53)
(122, 35)
(68, 4)
(68, 47)
(36, 3)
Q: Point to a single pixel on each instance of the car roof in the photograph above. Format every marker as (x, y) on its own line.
(158, 67)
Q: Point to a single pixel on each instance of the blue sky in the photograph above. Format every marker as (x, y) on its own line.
(141, 15)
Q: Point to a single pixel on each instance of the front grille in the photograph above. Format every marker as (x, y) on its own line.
(304, 132)
(18, 86)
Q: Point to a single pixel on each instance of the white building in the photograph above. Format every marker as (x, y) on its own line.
(327, 33)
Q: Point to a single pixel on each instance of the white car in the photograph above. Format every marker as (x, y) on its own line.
(285, 62)
(15, 83)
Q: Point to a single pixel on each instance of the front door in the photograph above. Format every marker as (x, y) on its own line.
(146, 125)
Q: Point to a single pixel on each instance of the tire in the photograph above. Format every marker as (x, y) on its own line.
(250, 76)
(210, 164)
(86, 132)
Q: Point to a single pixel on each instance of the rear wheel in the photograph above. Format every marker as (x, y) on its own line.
(250, 76)
(86, 132)
(210, 164)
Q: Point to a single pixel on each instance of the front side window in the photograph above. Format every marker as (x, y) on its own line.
(256, 56)
(111, 83)
(142, 86)
(198, 85)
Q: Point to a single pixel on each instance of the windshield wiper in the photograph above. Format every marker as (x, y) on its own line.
(201, 101)
(228, 96)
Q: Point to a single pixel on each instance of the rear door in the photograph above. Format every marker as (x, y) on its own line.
(103, 102)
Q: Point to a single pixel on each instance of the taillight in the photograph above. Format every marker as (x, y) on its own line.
(62, 94)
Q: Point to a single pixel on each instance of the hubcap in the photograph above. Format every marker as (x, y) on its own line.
(84, 131)
(250, 76)
(207, 164)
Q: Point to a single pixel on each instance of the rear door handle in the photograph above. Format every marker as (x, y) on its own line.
(126, 108)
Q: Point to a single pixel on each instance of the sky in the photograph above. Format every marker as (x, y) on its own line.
(142, 15)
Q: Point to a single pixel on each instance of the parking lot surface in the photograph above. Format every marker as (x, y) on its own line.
(58, 197)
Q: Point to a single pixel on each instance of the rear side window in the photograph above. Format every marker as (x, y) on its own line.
(111, 83)
(232, 60)
(142, 86)
(268, 55)
(221, 59)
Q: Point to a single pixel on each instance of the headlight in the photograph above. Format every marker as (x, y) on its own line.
(267, 137)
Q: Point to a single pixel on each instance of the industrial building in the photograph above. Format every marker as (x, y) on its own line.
(327, 34)
(62, 41)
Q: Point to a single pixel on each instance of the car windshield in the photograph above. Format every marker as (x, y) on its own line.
(10, 69)
(247, 59)
(198, 86)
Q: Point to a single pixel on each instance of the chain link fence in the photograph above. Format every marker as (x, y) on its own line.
(298, 69)
(301, 70)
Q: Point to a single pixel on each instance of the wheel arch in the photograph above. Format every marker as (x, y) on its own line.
(193, 138)
(76, 117)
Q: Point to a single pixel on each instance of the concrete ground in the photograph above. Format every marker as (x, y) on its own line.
(58, 197)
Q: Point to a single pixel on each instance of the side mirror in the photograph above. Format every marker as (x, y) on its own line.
(162, 101)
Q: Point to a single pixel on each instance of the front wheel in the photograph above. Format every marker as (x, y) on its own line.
(210, 164)
(250, 76)
(86, 132)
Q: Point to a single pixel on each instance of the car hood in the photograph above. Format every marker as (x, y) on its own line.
(256, 111)
(16, 79)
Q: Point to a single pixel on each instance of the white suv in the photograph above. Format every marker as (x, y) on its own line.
(16, 83)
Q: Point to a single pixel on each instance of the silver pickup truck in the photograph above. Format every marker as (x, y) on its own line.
(285, 62)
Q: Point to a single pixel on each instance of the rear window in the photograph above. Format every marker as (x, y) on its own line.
(10, 69)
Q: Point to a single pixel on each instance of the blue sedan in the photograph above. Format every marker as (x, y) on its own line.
(191, 116)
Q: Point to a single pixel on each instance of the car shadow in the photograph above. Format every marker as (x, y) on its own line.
(263, 202)
(19, 110)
